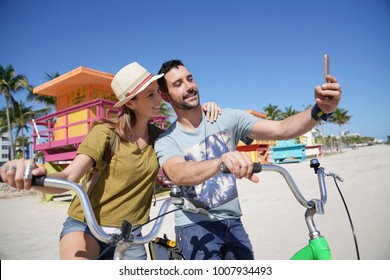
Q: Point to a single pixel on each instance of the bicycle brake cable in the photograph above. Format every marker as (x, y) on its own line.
(155, 218)
(349, 216)
(105, 250)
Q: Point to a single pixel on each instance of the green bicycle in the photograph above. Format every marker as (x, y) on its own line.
(317, 247)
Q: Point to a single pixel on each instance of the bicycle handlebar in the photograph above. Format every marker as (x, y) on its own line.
(320, 171)
(97, 230)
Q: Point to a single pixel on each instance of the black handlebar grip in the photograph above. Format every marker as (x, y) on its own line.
(197, 203)
(38, 181)
(256, 168)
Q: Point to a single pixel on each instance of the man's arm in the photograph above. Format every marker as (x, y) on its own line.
(327, 98)
(183, 172)
(289, 128)
(190, 173)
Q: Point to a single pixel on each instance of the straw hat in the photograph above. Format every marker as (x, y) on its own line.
(131, 80)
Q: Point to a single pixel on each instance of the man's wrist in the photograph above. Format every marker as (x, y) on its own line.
(317, 114)
(220, 165)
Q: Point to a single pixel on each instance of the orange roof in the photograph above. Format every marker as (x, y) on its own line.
(76, 78)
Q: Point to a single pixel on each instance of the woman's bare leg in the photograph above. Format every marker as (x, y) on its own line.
(79, 246)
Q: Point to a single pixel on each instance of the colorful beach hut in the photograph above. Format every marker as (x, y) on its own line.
(258, 151)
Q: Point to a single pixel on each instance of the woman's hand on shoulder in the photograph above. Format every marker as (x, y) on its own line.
(212, 110)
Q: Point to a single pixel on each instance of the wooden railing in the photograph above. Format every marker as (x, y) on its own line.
(57, 136)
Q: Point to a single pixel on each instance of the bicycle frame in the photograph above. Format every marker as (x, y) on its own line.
(317, 249)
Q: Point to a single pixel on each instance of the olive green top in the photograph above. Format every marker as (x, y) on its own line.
(124, 190)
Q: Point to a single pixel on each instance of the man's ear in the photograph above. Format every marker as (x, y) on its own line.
(165, 97)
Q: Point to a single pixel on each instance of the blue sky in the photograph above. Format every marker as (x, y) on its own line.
(244, 54)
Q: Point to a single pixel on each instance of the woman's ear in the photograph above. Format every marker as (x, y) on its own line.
(130, 105)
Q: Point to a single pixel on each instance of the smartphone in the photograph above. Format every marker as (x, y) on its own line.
(326, 66)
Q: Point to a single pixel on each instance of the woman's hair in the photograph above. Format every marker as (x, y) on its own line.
(122, 124)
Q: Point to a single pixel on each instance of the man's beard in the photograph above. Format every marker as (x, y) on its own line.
(183, 105)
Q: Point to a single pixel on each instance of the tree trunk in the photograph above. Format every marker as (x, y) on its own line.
(331, 140)
(340, 140)
(322, 136)
(10, 138)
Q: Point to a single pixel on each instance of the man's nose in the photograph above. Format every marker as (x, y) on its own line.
(189, 87)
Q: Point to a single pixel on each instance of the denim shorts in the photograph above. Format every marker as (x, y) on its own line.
(135, 252)
(220, 240)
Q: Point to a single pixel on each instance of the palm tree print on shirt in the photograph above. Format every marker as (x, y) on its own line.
(220, 188)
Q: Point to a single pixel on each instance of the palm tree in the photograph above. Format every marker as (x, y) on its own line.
(48, 101)
(288, 111)
(10, 82)
(341, 117)
(20, 143)
(166, 111)
(319, 124)
(21, 115)
(272, 112)
(330, 121)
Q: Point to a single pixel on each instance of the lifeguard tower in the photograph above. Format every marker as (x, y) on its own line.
(258, 151)
(83, 96)
(313, 149)
(296, 150)
(286, 151)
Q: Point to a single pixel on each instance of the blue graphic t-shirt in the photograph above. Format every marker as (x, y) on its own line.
(208, 141)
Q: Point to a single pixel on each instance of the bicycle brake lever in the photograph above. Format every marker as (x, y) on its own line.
(339, 178)
(190, 207)
(206, 213)
(163, 182)
(334, 175)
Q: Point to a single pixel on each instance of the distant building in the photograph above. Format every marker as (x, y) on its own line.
(27, 152)
(5, 148)
(348, 134)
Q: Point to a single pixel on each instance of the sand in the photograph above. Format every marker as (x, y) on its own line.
(273, 218)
